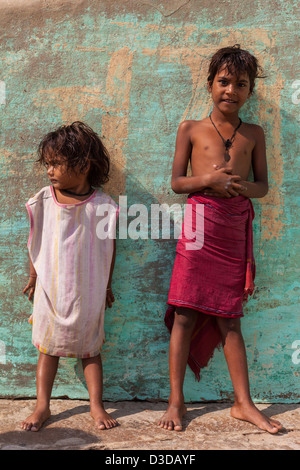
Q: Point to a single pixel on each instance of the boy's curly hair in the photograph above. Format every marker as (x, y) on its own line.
(237, 61)
(77, 145)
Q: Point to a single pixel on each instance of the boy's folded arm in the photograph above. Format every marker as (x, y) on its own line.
(254, 189)
(189, 184)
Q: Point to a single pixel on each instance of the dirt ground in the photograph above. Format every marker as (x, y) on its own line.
(207, 426)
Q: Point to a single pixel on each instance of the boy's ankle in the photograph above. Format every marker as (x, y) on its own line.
(176, 401)
(42, 405)
(242, 402)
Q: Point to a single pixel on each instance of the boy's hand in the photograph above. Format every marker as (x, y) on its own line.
(109, 297)
(224, 184)
(30, 287)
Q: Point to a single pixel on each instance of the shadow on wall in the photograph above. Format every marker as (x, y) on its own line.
(136, 336)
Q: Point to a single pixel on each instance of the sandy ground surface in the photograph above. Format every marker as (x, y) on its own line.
(207, 426)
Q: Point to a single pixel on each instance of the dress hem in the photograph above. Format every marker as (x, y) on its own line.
(64, 354)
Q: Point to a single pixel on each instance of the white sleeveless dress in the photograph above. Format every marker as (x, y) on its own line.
(73, 266)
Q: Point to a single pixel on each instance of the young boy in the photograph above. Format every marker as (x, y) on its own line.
(208, 285)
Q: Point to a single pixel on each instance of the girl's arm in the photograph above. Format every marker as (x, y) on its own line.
(109, 293)
(32, 281)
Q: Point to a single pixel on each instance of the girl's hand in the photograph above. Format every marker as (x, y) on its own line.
(109, 297)
(30, 287)
(224, 184)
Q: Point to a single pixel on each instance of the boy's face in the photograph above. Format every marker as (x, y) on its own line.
(229, 91)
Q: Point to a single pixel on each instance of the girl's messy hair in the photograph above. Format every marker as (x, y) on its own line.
(77, 146)
(236, 61)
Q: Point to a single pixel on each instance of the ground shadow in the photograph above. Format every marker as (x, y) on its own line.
(46, 438)
(77, 410)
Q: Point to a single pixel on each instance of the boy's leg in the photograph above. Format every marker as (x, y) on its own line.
(235, 354)
(46, 372)
(92, 368)
(184, 323)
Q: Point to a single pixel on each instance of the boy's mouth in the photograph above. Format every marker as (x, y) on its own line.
(230, 101)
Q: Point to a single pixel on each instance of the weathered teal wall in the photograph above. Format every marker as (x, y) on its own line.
(133, 71)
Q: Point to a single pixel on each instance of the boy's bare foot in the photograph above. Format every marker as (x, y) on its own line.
(172, 419)
(252, 414)
(102, 419)
(35, 421)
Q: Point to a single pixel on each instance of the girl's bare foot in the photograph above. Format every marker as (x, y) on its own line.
(172, 419)
(251, 414)
(102, 419)
(35, 421)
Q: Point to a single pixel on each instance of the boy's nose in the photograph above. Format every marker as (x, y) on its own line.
(231, 89)
(50, 170)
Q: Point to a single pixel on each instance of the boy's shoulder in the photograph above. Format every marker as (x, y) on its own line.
(254, 131)
(253, 126)
(191, 124)
(189, 127)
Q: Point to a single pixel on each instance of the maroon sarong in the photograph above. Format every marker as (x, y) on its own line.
(217, 277)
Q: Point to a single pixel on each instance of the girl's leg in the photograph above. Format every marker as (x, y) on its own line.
(235, 354)
(46, 372)
(92, 368)
(184, 323)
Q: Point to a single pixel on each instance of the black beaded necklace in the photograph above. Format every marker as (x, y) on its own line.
(76, 194)
(228, 143)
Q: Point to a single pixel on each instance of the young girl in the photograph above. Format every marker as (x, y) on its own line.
(70, 267)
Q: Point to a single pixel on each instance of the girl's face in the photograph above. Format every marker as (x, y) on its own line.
(229, 91)
(62, 177)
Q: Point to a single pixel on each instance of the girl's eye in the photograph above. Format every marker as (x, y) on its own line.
(47, 164)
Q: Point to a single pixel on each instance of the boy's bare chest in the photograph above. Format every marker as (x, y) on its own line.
(209, 149)
(210, 142)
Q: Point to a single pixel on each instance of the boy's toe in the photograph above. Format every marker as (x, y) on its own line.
(178, 427)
